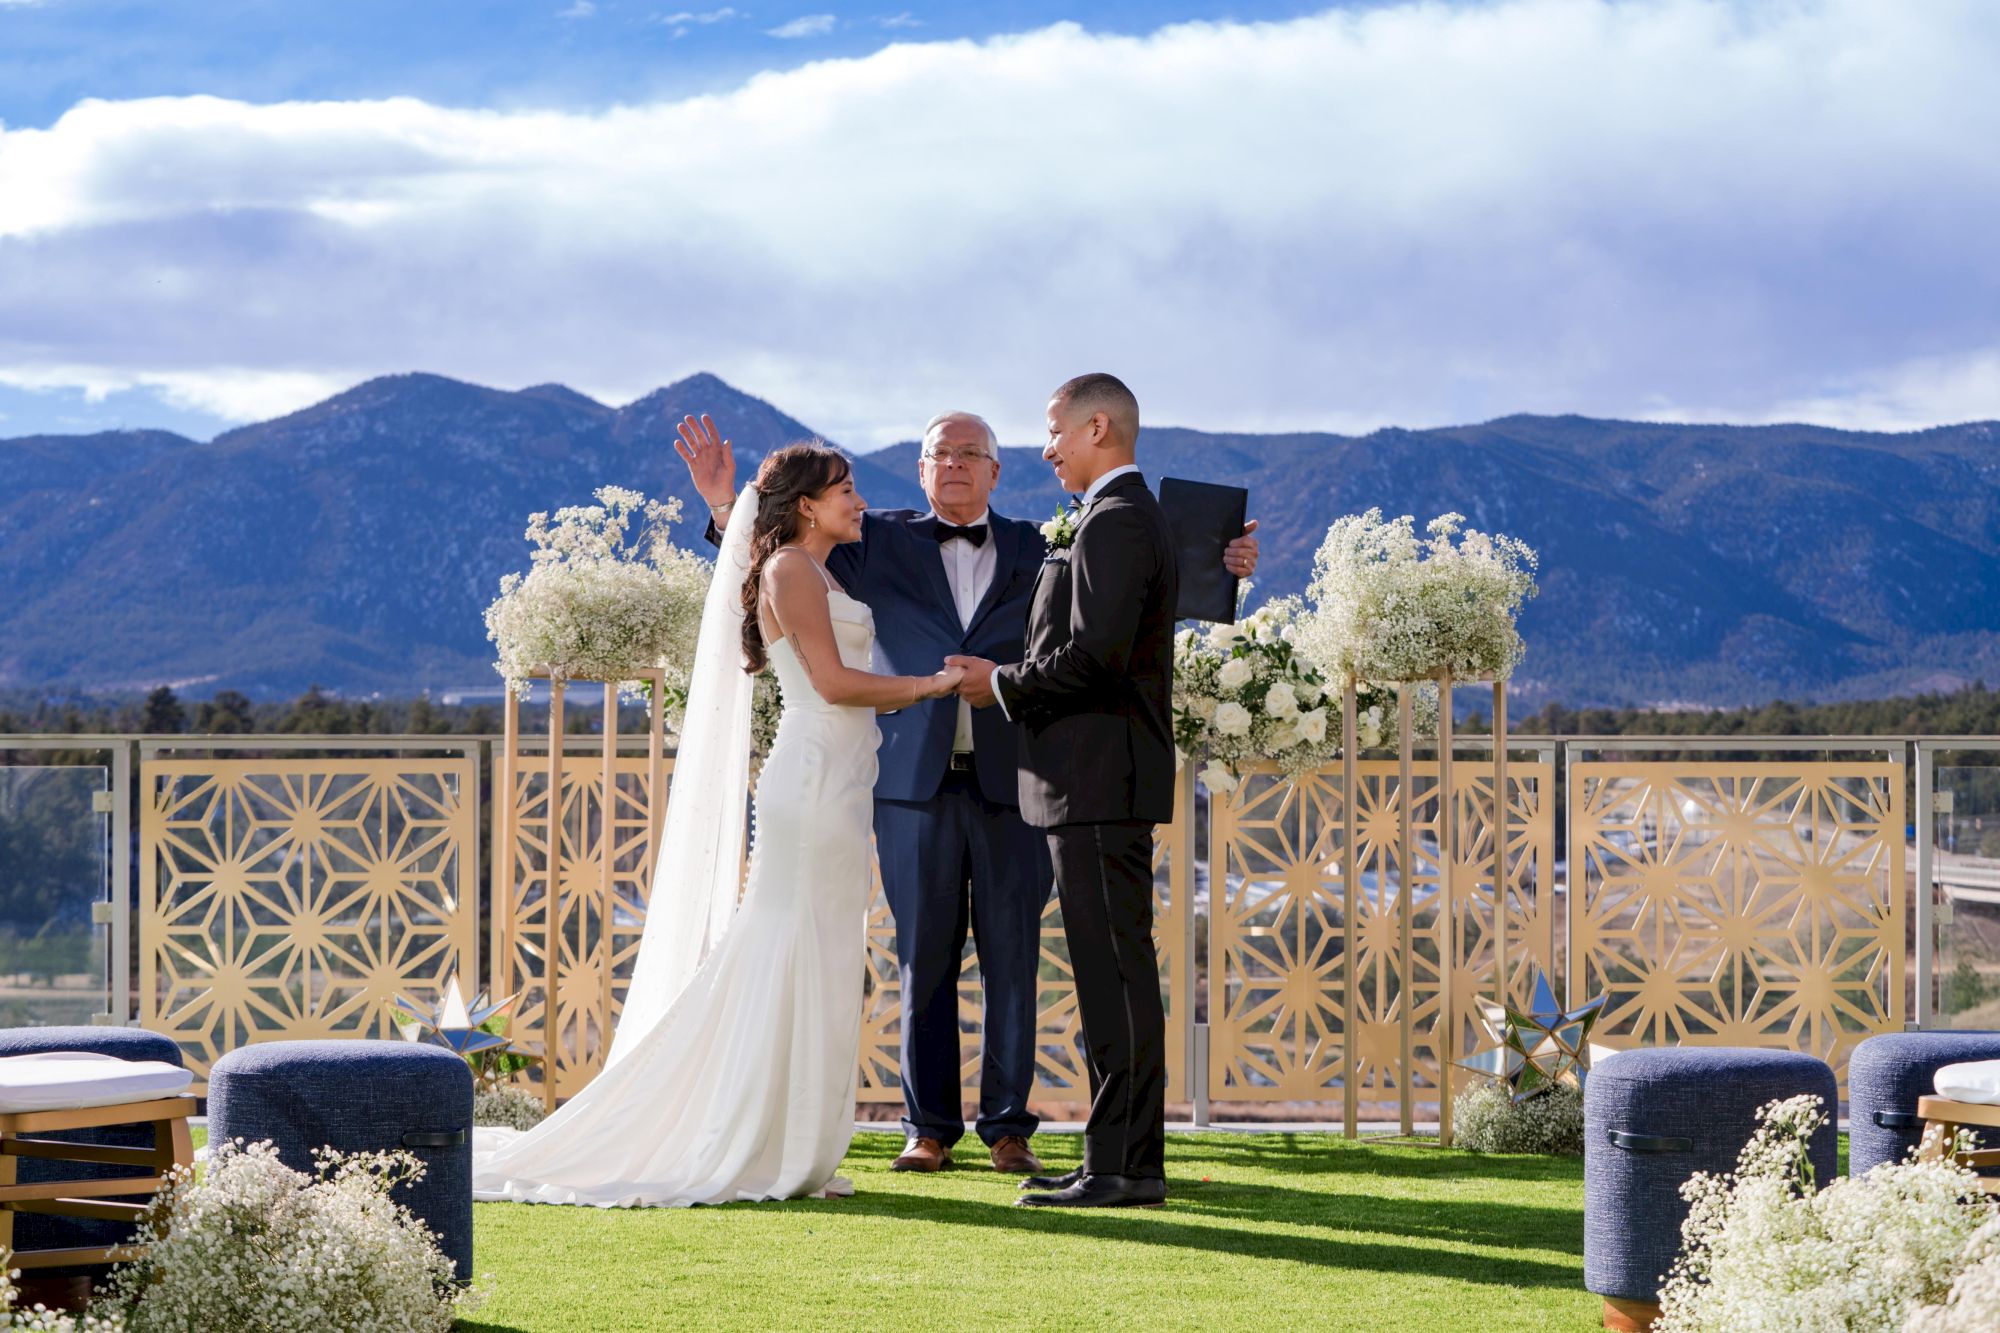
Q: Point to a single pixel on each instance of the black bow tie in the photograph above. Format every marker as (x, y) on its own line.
(976, 534)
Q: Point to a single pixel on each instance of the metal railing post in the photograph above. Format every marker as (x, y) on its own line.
(1926, 890)
(119, 1009)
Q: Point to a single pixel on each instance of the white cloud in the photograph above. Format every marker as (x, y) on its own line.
(903, 20)
(578, 9)
(1413, 215)
(231, 393)
(809, 25)
(685, 20)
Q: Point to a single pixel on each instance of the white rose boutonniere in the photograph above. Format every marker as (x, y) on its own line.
(1060, 531)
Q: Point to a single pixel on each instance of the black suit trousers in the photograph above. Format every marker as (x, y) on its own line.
(1104, 874)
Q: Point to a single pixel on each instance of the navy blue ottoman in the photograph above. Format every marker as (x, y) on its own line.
(359, 1096)
(1651, 1119)
(1884, 1079)
(41, 1231)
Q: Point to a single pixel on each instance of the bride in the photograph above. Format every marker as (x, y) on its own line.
(731, 1076)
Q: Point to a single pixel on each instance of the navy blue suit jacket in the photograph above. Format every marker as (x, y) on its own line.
(897, 569)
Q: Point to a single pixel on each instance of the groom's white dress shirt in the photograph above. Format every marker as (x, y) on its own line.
(969, 571)
(1090, 493)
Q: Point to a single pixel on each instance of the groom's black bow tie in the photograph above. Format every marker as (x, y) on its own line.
(976, 533)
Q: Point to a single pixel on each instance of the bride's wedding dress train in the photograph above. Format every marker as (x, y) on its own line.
(744, 1089)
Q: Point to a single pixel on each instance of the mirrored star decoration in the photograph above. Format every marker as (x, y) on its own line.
(451, 1022)
(1534, 1051)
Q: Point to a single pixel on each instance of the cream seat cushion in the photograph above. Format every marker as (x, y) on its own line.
(1972, 1081)
(65, 1080)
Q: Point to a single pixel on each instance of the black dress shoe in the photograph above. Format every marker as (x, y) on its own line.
(1061, 1182)
(1101, 1191)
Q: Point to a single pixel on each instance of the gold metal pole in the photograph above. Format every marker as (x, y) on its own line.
(1406, 806)
(501, 898)
(656, 777)
(1446, 1044)
(1350, 891)
(552, 904)
(1502, 989)
(607, 844)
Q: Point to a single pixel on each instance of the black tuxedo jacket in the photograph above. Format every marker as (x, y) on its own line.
(1093, 697)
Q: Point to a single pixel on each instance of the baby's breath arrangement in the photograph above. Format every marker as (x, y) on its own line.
(509, 1107)
(256, 1246)
(1973, 1306)
(1762, 1249)
(1486, 1118)
(1388, 606)
(599, 603)
(1244, 692)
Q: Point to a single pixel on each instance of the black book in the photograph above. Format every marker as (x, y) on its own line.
(1204, 518)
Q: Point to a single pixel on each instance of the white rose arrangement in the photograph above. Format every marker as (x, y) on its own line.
(600, 604)
(1388, 606)
(1244, 693)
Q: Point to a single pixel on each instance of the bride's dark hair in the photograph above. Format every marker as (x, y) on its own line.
(793, 473)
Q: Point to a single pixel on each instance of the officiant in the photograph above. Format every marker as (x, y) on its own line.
(954, 852)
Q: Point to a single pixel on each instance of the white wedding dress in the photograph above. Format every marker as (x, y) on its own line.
(743, 1087)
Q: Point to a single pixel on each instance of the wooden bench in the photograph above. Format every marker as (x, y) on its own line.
(173, 1145)
(1943, 1118)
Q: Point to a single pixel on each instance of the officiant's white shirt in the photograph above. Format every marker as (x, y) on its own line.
(1090, 493)
(969, 571)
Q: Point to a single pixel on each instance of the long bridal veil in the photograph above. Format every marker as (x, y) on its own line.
(698, 867)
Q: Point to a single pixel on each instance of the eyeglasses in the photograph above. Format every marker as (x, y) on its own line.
(962, 457)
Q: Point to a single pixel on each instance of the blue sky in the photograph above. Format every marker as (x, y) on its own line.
(1267, 217)
(54, 53)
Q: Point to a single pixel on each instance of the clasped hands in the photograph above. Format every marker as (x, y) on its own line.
(973, 678)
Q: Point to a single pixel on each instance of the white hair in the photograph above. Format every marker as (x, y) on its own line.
(992, 440)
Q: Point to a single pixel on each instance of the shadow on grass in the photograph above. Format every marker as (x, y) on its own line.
(1158, 1227)
(1312, 1155)
(1469, 1222)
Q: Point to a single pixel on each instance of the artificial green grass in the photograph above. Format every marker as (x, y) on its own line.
(1262, 1231)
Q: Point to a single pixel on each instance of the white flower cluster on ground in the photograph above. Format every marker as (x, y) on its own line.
(1765, 1252)
(1388, 606)
(599, 604)
(1244, 692)
(255, 1245)
(1486, 1118)
(507, 1107)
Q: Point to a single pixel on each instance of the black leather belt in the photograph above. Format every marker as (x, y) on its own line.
(961, 761)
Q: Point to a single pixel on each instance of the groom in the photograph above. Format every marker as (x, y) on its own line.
(1092, 700)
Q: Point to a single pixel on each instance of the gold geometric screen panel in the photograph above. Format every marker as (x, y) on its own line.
(1293, 1015)
(1739, 904)
(601, 916)
(1060, 1077)
(292, 898)
(600, 936)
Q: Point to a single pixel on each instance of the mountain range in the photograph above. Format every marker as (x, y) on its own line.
(354, 544)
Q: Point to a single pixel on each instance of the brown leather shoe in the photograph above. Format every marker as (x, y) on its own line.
(1012, 1155)
(922, 1155)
